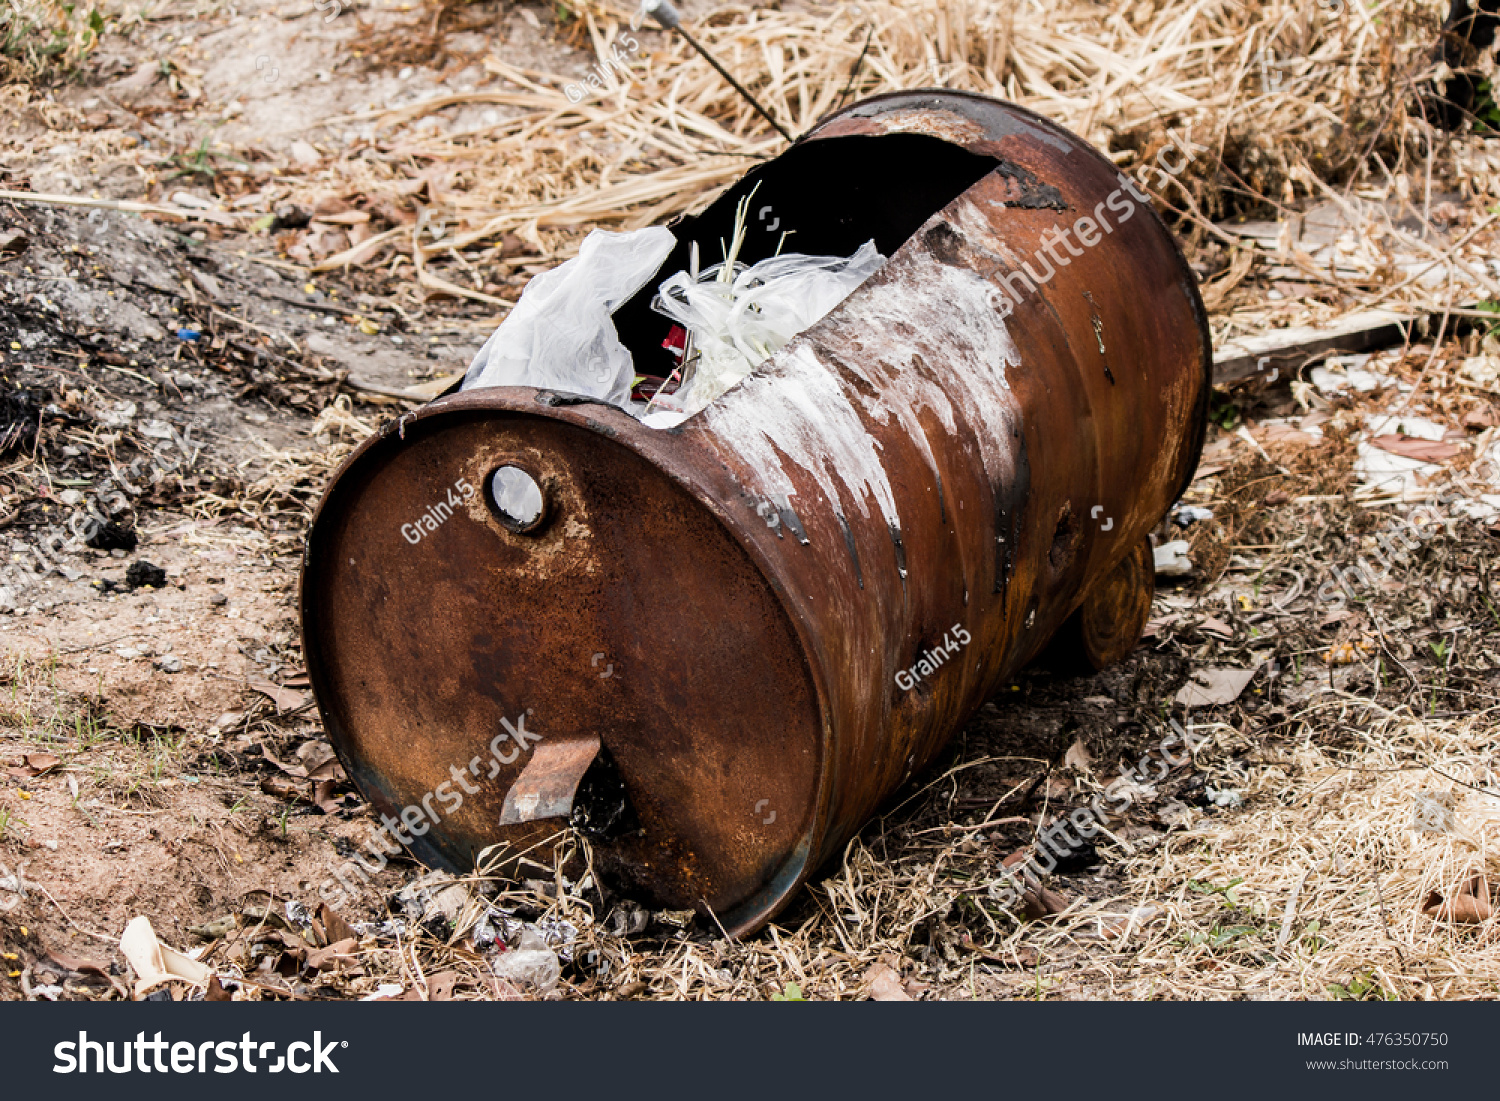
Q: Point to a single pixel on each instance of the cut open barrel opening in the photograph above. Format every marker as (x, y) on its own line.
(823, 198)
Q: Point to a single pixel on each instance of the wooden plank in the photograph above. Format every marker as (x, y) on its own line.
(1284, 351)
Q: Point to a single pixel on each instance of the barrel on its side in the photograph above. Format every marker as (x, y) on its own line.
(715, 649)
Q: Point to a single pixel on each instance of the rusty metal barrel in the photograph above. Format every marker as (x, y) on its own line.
(716, 649)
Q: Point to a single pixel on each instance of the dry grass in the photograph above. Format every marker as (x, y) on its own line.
(1280, 101)
(42, 39)
(1316, 889)
(1331, 875)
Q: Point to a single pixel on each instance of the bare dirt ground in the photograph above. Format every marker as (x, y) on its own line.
(1330, 837)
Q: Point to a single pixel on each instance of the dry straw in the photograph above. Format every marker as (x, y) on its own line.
(1283, 98)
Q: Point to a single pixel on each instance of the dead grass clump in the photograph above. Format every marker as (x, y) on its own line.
(1271, 103)
(41, 40)
(1357, 874)
(422, 40)
(1251, 495)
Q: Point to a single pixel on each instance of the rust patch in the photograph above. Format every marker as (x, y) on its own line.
(936, 122)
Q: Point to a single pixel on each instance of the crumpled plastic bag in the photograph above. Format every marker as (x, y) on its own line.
(739, 321)
(531, 961)
(559, 336)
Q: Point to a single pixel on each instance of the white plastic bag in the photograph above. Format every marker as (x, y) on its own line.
(738, 322)
(530, 961)
(559, 336)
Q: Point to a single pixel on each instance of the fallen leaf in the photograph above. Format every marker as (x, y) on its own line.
(1214, 293)
(1212, 626)
(1470, 904)
(284, 698)
(314, 755)
(280, 787)
(1039, 903)
(1410, 447)
(323, 798)
(12, 242)
(1285, 434)
(1057, 788)
(885, 984)
(335, 928)
(344, 218)
(88, 972)
(216, 929)
(1211, 687)
(1154, 627)
(34, 764)
(333, 957)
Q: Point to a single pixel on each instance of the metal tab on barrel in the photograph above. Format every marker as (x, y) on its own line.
(547, 785)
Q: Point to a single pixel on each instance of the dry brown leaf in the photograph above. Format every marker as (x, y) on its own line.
(885, 984)
(1039, 903)
(334, 926)
(1470, 904)
(34, 764)
(285, 699)
(1427, 451)
(281, 787)
(154, 963)
(1211, 687)
(1214, 293)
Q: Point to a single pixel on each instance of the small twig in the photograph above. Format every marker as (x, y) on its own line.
(854, 69)
(121, 205)
(70, 921)
(318, 307)
(1437, 342)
